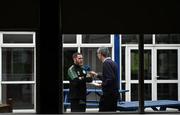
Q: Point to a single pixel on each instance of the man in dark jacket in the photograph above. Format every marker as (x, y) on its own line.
(78, 77)
(110, 85)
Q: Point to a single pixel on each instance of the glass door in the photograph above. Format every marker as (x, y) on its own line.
(132, 60)
(166, 73)
(161, 73)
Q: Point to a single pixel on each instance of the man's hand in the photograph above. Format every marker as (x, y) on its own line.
(97, 84)
(92, 73)
(80, 78)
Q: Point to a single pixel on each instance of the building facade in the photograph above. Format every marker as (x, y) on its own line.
(161, 64)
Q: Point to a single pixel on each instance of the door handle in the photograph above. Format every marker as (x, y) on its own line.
(157, 76)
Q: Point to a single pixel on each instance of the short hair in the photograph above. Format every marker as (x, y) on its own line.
(76, 54)
(103, 51)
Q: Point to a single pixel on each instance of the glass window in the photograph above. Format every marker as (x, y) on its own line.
(123, 63)
(147, 92)
(167, 64)
(133, 39)
(91, 59)
(167, 91)
(17, 64)
(147, 38)
(123, 95)
(135, 64)
(129, 39)
(167, 38)
(22, 95)
(17, 38)
(96, 38)
(69, 38)
(68, 61)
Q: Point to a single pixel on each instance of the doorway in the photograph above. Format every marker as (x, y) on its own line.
(161, 75)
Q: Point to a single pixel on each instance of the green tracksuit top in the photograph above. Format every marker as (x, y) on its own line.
(77, 84)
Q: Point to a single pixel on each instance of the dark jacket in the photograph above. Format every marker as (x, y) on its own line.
(109, 77)
(78, 86)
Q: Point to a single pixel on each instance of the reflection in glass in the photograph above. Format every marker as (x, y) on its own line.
(147, 92)
(167, 38)
(17, 64)
(167, 64)
(147, 38)
(133, 38)
(123, 63)
(135, 64)
(17, 38)
(167, 91)
(96, 38)
(129, 39)
(69, 38)
(22, 95)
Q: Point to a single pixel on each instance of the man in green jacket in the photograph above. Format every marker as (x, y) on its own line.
(78, 77)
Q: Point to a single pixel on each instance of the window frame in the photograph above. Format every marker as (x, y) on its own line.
(32, 82)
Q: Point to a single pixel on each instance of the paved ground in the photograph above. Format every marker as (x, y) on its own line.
(95, 110)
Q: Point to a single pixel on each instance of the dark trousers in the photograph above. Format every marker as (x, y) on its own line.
(108, 102)
(78, 105)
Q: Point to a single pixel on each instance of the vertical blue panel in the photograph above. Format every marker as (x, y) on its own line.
(117, 54)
